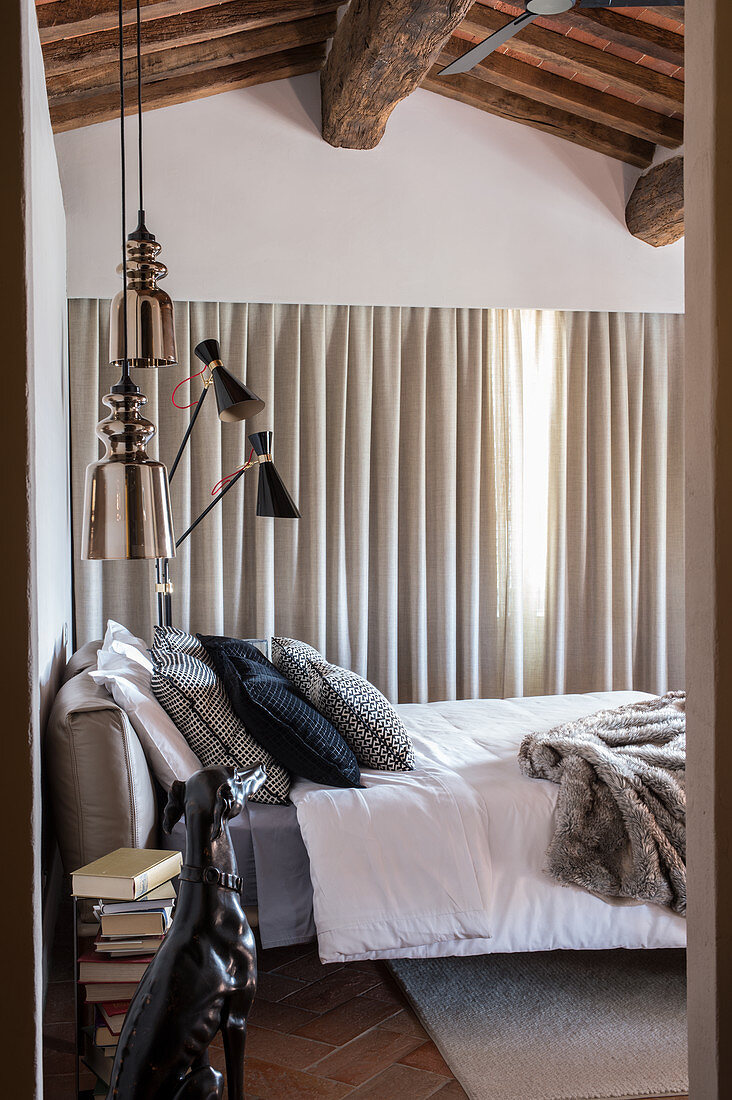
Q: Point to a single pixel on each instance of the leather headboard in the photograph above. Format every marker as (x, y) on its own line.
(84, 658)
(102, 793)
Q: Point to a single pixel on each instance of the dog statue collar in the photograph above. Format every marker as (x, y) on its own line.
(211, 876)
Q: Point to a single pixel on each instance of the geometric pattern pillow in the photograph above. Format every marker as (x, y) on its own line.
(194, 697)
(361, 714)
(298, 661)
(170, 637)
(280, 717)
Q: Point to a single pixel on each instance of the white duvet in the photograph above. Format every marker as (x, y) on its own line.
(447, 859)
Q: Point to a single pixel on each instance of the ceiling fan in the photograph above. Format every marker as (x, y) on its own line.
(534, 10)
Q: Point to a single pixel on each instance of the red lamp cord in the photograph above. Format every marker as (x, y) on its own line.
(189, 379)
(225, 480)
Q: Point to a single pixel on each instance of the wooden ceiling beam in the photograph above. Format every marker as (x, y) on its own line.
(655, 211)
(200, 56)
(380, 53)
(661, 93)
(672, 13)
(470, 89)
(656, 42)
(179, 89)
(101, 47)
(569, 95)
(70, 18)
(622, 30)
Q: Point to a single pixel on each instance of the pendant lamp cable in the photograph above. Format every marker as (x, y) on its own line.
(139, 111)
(125, 383)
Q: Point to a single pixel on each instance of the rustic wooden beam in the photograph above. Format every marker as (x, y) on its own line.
(380, 53)
(470, 89)
(198, 57)
(656, 42)
(655, 211)
(569, 95)
(622, 30)
(101, 48)
(672, 13)
(70, 18)
(72, 114)
(661, 93)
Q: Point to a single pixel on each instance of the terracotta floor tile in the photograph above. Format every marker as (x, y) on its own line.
(280, 1017)
(275, 987)
(427, 1057)
(276, 1083)
(346, 1022)
(406, 1022)
(59, 1003)
(273, 957)
(389, 992)
(402, 1082)
(309, 968)
(284, 1050)
(371, 965)
(455, 1091)
(365, 1056)
(332, 991)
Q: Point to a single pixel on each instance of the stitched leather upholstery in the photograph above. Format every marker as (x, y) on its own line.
(102, 793)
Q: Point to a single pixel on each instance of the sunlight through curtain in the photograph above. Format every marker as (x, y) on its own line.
(492, 500)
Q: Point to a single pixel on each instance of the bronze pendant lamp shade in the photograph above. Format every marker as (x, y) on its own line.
(234, 400)
(127, 501)
(273, 498)
(127, 512)
(150, 322)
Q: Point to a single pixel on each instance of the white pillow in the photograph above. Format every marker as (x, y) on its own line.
(124, 668)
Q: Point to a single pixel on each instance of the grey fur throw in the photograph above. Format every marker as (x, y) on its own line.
(621, 811)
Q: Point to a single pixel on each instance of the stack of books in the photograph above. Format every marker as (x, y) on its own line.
(135, 894)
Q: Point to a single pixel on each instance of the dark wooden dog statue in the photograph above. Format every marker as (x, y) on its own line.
(204, 976)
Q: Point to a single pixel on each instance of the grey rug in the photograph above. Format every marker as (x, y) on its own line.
(556, 1025)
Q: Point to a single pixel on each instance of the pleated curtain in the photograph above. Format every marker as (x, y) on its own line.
(492, 500)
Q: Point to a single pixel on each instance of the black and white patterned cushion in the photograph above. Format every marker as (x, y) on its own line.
(190, 691)
(280, 718)
(179, 641)
(298, 661)
(358, 710)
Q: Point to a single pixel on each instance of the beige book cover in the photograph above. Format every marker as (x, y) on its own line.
(147, 923)
(125, 874)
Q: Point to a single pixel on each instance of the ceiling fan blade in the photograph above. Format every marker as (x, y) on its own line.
(468, 60)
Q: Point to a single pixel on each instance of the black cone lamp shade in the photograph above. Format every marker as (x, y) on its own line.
(235, 400)
(273, 498)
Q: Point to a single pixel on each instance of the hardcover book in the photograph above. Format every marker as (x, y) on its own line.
(94, 968)
(125, 874)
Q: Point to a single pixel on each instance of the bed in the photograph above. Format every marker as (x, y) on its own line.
(444, 860)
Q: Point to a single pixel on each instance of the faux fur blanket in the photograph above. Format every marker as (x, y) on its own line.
(621, 812)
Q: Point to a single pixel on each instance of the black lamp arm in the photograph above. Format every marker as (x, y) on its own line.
(189, 429)
(215, 501)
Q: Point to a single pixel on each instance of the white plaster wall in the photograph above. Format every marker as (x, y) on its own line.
(49, 385)
(455, 207)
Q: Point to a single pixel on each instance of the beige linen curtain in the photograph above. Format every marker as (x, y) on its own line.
(492, 500)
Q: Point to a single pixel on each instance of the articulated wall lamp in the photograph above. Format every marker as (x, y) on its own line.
(236, 402)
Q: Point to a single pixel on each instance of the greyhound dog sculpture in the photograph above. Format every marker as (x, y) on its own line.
(204, 976)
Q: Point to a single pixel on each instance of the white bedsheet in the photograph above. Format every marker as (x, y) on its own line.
(447, 859)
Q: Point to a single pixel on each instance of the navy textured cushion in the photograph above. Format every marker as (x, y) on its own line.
(278, 717)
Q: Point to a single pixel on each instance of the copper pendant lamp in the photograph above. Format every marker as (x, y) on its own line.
(141, 321)
(127, 512)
